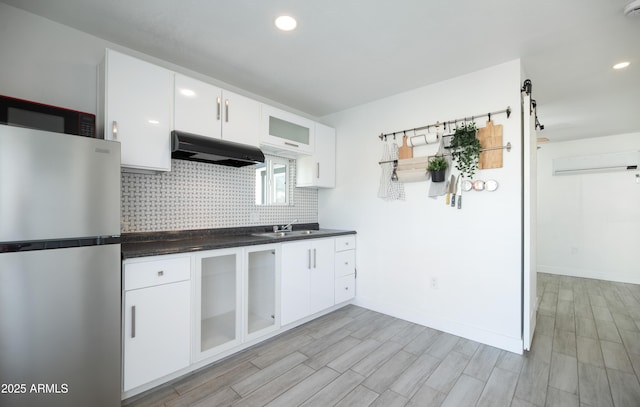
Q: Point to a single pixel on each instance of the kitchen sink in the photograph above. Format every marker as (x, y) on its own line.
(284, 233)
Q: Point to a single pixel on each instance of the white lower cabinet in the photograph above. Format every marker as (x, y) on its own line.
(217, 302)
(261, 291)
(345, 268)
(157, 316)
(308, 279)
(183, 311)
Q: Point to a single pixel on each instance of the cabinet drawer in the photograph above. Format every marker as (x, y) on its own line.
(345, 288)
(156, 272)
(345, 243)
(345, 263)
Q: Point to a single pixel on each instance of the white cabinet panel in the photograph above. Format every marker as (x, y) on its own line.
(294, 295)
(345, 243)
(198, 107)
(321, 276)
(156, 332)
(319, 169)
(138, 105)
(345, 288)
(149, 273)
(345, 263)
(241, 119)
(206, 110)
(307, 278)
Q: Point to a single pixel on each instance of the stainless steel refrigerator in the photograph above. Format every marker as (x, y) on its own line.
(60, 342)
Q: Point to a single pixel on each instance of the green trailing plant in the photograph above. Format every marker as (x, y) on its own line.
(465, 149)
(437, 163)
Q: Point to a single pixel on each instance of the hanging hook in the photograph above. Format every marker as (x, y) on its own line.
(508, 111)
(489, 114)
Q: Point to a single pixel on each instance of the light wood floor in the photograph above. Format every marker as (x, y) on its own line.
(586, 353)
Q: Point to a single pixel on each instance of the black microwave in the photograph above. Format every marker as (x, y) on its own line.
(25, 113)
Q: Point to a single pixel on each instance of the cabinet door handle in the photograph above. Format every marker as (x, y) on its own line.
(219, 107)
(318, 165)
(309, 253)
(133, 321)
(226, 110)
(160, 273)
(291, 144)
(114, 130)
(314, 259)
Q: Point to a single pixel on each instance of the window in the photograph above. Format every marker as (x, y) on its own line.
(272, 181)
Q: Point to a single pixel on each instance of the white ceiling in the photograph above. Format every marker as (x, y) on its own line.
(348, 52)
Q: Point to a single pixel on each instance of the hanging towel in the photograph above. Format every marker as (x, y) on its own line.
(389, 190)
(437, 189)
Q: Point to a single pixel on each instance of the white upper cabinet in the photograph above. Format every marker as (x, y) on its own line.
(241, 119)
(198, 107)
(135, 108)
(204, 109)
(319, 170)
(285, 133)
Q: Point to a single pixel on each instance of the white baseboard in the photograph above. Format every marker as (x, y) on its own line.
(587, 273)
(511, 344)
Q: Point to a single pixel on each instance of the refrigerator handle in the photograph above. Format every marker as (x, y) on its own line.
(114, 130)
(133, 321)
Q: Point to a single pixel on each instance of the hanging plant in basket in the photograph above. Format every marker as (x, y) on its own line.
(465, 149)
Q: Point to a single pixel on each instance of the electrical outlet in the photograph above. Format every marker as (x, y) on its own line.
(434, 283)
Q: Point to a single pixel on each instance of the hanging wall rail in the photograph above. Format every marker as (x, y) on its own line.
(505, 147)
(383, 136)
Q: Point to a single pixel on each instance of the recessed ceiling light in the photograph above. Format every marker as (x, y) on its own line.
(621, 65)
(286, 23)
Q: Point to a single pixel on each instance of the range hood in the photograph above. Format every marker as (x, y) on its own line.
(192, 147)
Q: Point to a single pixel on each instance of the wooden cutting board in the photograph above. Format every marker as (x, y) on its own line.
(490, 136)
(404, 151)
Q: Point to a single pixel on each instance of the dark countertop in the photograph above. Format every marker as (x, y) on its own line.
(158, 243)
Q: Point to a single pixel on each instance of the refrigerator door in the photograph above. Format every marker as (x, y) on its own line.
(60, 327)
(57, 186)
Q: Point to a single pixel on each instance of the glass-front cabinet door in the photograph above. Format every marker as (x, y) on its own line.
(287, 132)
(261, 285)
(217, 306)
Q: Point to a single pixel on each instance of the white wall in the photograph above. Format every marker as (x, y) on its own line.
(588, 225)
(474, 253)
(48, 62)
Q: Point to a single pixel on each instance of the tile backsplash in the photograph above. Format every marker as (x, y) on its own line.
(206, 196)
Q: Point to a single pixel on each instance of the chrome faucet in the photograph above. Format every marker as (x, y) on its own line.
(286, 228)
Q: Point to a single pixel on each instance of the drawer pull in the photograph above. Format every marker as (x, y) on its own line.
(346, 288)
(346, 263)
(160, 273)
